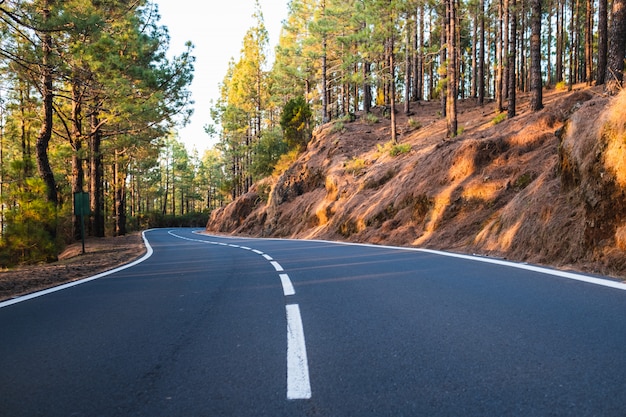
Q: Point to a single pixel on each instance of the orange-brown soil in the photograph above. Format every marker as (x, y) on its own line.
(546, 187)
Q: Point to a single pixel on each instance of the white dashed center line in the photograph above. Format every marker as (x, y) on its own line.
(298, 382)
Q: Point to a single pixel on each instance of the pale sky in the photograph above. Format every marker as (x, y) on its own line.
(217, 30)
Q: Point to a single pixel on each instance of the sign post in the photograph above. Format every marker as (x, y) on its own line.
(81, 208)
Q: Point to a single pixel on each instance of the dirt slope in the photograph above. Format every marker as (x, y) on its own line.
(101, 254)
(545, 187)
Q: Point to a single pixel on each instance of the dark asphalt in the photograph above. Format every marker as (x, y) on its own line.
(200, 330)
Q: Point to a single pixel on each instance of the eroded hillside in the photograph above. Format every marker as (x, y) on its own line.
(545, 187)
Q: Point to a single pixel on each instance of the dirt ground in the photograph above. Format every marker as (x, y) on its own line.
(101, 254)
(543, 187)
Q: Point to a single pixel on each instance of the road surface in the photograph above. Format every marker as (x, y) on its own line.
(217, 326)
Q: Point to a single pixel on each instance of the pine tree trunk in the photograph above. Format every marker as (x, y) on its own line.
(443, 56)
(392, 90)
(536, 99)
(505, 46)
(76, 142)
(481, 57)
(420, 68)
(511, 59)
(45, 134)
(589, 43)
(617, 48)
(474, 59)
(451, 112)
(572, 47)
(500, 56)
(559, 40)
(367, 88)
(119, 209)
(549, 46)
(603, 30)
(96, 170)
(407, 73)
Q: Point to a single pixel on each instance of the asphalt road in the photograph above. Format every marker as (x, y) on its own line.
(216, 326)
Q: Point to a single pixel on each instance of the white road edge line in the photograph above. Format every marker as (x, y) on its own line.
(576, 276)
(298, 383)
(287, 285)
(82, 281)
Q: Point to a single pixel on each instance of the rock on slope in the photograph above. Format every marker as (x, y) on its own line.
(545, 187)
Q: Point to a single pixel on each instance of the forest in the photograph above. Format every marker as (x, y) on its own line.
(90, 101)
(339, 58)
(88, 104)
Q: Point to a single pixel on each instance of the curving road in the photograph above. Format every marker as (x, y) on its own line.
(216, 326)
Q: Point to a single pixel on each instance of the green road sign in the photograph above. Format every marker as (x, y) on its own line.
(81, 204)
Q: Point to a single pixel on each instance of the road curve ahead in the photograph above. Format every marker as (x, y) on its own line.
(217, 326)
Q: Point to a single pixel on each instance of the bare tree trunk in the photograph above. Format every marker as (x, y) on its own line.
(617, 48)
(96, 168)
(76, 142)
(325, 114)
(603, 30)
(420, 68)
(549, 46)
(451, 113)
(119, 208)
(505, 45)
(572, 47)
(443, 56)
(45, 134)
(474, 58)
(536, 99)
(499, 57)
(367, 88)
(559, 40)
(589, 42)
(392, 89)
(512, 55)
(481, 56)
(407, 72)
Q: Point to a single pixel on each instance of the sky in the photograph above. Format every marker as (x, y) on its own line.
(217, 33)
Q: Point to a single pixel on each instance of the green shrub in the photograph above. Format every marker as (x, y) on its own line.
(400, 149)
(414, 124)
(371, 119)
(394, 149)
(338, 127)
(499, 118)
(355, 166)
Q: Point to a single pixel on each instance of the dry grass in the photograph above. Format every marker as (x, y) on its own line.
(520, 189)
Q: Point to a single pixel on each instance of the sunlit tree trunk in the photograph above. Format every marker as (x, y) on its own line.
(536, 98)
(602, 41)
(511, 59)
(452, 76)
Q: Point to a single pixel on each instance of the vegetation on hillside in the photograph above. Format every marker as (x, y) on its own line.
(340, 57)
